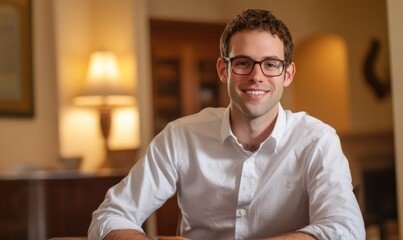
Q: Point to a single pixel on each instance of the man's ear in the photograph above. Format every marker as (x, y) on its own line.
(222, 70)
(289, 74)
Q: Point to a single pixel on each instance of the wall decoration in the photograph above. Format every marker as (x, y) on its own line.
(16, 83)
(381, 87)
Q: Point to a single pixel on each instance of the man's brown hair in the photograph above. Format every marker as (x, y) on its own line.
(255, 19)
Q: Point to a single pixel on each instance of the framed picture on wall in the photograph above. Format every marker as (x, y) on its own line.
(16, 78)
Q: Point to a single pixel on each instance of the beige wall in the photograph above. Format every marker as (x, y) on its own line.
(395, 19)
(322, 86)
(34, 141)
(84, 27)
(72, 35)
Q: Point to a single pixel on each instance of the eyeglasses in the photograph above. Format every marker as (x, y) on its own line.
(244, 66)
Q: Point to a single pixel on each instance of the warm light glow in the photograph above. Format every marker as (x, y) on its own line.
(104, 84)
(125, 129)
(80, 128)
(103, 67)
(321, 84)
(105, 89)
(94, 101)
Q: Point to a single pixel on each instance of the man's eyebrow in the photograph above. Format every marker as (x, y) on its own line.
(241, 55)
(273, 57)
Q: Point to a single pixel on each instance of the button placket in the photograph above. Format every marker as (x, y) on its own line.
(245, 195)
(247, 182)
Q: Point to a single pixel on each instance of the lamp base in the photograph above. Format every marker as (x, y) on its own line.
(122, 159)
(105, 122)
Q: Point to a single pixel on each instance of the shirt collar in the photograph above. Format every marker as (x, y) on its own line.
(225, 126)
(279, 126)
(277, 133)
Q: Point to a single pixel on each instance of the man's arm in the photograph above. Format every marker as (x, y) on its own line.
(128, 204)
(130, 234)
(126, 234)
(293, 236)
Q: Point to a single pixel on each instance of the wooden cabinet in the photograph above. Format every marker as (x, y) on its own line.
(185, 80)
(14, 204)
(43, 205)
(184, 57)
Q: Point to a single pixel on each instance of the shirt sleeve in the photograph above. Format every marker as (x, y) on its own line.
(147, 186)
(334, 210)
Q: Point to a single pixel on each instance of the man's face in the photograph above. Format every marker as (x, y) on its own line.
(255, 95)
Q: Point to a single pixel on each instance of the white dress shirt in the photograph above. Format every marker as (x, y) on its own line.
(298, 180)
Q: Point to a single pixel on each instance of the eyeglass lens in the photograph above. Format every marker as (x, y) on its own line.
(269, 67)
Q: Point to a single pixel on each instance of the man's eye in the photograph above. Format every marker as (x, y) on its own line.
(271, 64)
(242, 63)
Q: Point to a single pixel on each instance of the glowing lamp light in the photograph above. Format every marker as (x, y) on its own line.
(104, 89)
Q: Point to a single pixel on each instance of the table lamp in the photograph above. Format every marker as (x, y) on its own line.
(104, 89)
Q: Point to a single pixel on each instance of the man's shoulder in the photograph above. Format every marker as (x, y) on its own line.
(205, 116)
(302, 122)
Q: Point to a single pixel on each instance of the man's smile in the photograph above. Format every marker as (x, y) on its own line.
(255, 92)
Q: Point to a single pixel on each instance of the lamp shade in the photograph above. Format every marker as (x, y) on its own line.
(104, 84)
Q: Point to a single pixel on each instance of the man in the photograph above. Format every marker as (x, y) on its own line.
(251, 171)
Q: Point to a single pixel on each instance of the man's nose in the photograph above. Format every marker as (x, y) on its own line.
(257, 73)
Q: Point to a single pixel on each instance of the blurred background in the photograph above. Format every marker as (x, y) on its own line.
(87, 128)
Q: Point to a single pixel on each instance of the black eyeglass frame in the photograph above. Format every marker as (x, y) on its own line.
(230, 60)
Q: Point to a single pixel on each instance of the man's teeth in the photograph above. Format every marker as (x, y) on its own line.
(255, 92)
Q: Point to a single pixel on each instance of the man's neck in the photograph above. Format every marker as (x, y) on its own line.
(250, 132)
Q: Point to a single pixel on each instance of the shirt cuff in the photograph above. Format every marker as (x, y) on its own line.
(100, 230)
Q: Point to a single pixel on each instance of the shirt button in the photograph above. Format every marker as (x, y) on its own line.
(242, 212)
